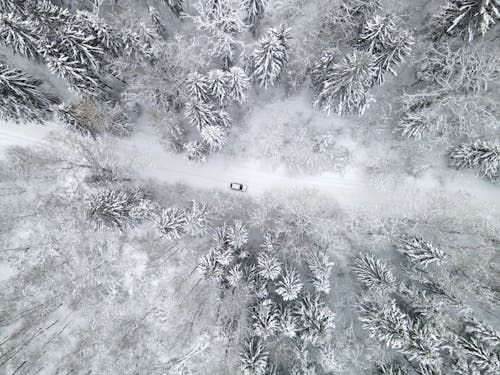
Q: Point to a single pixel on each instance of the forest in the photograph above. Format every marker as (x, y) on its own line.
(367, 133)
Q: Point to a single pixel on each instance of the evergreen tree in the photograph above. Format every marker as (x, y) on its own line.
(419, 251)
(254, 357)
(197, 219)
(393, 54)
(481, 356)
(155, 18)
(198, 87)
(214, 136)
(265, 322)
(316, 319)
(289, 323)
(19, 34)
(237, 235)
(386, 323)
(289, 285)
(320, 266)
(255, 12)
(66, 114)
(217, 86)
(269, 266)
(23, 98)
(202, 115)
(196, 151)
(481, 155)
(235, 276)
(118, 208)
(424, 345)
(271, 56)
(237, 84)
(344, 87)
(482, 332)
(210, 268)
(176, 6)
(377, 33)
(172, 223)
(373, 273)
(467, 18)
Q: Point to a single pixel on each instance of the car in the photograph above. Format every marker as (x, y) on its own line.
(237, 186)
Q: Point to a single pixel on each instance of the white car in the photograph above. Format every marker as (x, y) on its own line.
(237, 186)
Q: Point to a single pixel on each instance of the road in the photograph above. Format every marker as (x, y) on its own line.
(350, 190)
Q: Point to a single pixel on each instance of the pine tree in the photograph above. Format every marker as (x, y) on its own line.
(255, 12)
(196, 151)
(269, 267)
(481, 356)
(316, 319)
(344, 87)
(116, 208)
(393, 54)
(197, 219)
(172, 222)
(235, 276)
(419, 251)
(271, 56)
(11, 6)
(237, 235)
(210, 268)
(198, 87)
(202, 115)
(237, 84)
(320, 266)
(481, 155)
(289, 323)
(424, 345)
(214, 136)
(254, 357)
(217, 86)
(20, 34)
(386, 323)
(23, 98)
(467, 18)
(176, 6)
(377, 34)
(289, 286)
(155, 18)
(66, 114)
(482, 332)
(265, 321)
(373, 273)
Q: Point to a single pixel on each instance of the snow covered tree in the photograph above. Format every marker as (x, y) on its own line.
(23, 99)
(196, 151)
(320, 266)
(386, 323)
(254, 13)
(289, 323)
(210, 268)
(424, 345)
(66, 113)
(269, 267)
(254, 357)
(172, 223)
(11, 6)
(481, 155)
(214, 136)
(271, 56)
(419, 251)
(198, 87)
(197, 219)
(289, 285)
(155, 18)
(176, 6)
(316, 320)
(237, 84)
(234, 276)
(377, 33)
(237, 235)
(393, 54)
(373, 273)
(202, 115)
(19, 34)
(117, 208)
(467, 18)
(344, 87)
(482, 332)
(222, 21)
(482, 357)
(217, 86)
(264, 318)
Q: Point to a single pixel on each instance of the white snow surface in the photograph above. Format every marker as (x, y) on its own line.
(349, 190)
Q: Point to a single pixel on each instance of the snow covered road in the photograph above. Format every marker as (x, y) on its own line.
(349, 190)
